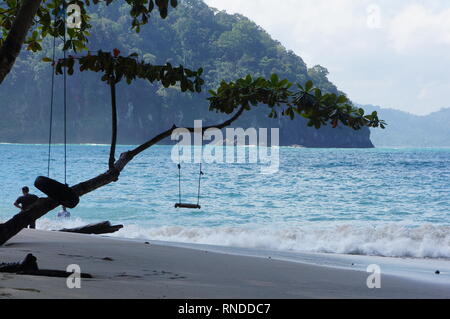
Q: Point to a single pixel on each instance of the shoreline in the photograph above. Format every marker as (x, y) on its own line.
(132, 269)
(295, 146)
(412, 268)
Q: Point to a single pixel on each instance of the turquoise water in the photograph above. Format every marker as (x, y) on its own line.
(388, 202)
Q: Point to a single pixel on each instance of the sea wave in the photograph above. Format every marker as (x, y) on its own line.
(390, 240)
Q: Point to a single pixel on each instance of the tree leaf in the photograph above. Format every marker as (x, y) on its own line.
(308, 86)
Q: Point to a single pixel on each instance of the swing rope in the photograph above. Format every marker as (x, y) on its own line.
(60, 193)
(179, 176)
(180, 205)
(65, 96)
(52, 98)
(179, 183)
(51, 107)
(199, 181)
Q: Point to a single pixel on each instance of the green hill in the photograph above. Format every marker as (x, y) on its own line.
(195, 35)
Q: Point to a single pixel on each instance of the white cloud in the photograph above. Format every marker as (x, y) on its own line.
(418, 27)
(295, 22)
(378, 51)
(424, 93)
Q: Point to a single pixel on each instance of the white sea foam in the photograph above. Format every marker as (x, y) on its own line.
(59, 223)
(393, 240)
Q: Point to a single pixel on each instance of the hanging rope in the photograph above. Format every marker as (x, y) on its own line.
(179, 176)
(180, 204)
(199, 180)
(65, 96)
(51, 107)
(60, 193)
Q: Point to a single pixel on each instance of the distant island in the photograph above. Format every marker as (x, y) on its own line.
(411, 130)
(195, 35)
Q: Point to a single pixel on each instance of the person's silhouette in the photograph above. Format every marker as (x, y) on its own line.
(26, 201)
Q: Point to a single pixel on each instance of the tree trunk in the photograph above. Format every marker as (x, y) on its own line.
(29, 266)
(20, 221)
(16, 37)
(112, 153)
(94, 229)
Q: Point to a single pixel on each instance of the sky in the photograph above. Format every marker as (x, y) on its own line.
(394, 54)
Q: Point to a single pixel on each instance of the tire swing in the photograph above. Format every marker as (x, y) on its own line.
(59, 192)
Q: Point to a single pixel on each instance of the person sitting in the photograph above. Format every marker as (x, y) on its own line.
(64, 213)
(26, 201)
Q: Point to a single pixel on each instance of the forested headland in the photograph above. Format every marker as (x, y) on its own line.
(194, 35)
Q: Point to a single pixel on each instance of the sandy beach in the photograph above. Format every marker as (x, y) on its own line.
(132, 269)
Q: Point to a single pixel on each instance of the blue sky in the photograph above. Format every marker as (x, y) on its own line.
(394, 54)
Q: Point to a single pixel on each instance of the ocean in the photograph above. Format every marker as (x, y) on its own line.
(376, 202)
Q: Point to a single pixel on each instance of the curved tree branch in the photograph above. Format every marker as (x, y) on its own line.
(167, 133)
(13, 226)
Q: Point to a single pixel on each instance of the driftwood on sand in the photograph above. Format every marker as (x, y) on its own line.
(29, 266)
(96, 229)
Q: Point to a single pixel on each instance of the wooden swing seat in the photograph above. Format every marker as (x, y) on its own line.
(183, 205)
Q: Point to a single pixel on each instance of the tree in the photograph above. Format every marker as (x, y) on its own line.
(30, 21)
(318, 70)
